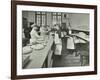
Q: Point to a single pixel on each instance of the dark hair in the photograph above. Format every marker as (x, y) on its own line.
(31, 23)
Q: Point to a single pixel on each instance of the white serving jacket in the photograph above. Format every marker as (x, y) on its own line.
(34, 36)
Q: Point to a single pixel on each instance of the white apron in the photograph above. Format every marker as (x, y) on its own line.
(58, 43)
(70, 43)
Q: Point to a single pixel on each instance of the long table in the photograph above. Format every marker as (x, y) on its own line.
(38, 57)
(81, 37)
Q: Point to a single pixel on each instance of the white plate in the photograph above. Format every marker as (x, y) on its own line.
(37, 46)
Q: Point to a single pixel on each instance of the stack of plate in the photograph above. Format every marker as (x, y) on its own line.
(37, 46)
(27, 49)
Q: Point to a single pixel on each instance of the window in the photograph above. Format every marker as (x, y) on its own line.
(57, 18)
(41, 18)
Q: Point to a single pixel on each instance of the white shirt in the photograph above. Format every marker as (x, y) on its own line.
(42, 30)
(34, 36)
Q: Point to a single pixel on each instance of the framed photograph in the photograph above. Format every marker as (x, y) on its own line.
(52, 39)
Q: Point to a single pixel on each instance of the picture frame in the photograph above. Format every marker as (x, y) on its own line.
(16, 9)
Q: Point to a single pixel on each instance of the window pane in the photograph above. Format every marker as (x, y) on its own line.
(54, 13)
(59, 13)
(38, 12)
(38, 20)
(43, 20)
(43, 13)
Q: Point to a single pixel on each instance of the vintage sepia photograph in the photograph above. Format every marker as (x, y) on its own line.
(55, 39)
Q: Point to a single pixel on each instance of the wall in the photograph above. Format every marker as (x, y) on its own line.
(5, 40)
(77, 20)
(29, 15)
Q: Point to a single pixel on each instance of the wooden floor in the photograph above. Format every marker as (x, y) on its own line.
(68, 58)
